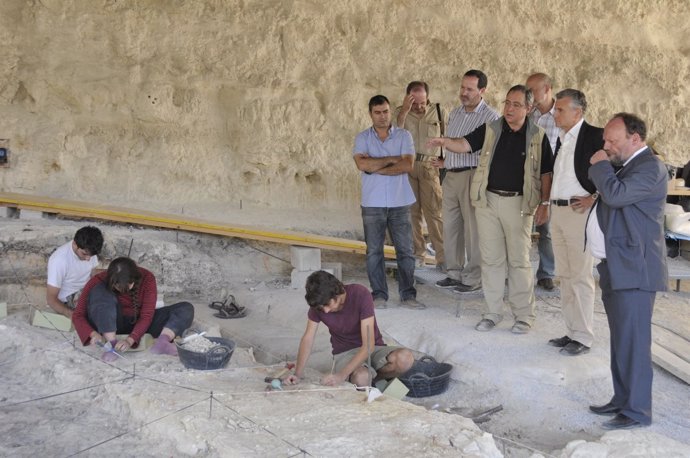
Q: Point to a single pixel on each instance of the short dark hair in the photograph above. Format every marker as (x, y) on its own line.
(577, 98)
(633, 124)
(529, 97)
(415, 84)
(321, 288)
(377, 100)
(89, 238)
(483, 80)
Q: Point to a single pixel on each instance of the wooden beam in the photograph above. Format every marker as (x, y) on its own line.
(672, 363)
(181, 222)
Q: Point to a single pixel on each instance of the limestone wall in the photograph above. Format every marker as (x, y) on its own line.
(173, 103)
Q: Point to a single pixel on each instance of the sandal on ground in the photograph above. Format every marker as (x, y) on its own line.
(230, 311)
(228, 302)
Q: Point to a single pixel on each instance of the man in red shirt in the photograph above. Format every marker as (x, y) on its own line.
(348, 313)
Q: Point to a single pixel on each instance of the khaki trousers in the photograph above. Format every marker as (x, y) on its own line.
(504, 241)
(574, 269)
(460, 229)
(427, 191)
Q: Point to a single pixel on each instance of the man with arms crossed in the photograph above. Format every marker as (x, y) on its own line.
(348, 313)
(385, 155)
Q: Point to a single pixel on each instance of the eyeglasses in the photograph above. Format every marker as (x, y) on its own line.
(508, 103)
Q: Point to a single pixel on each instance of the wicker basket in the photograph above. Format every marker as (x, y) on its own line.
(427, 377)
(216, 358)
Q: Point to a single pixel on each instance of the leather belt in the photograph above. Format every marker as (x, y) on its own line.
(423, 157)
(505, 193)
(460, 169)
(560, 202)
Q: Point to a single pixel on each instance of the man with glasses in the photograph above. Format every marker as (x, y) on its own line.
(459, 221)
(509, 190)
(70, 267)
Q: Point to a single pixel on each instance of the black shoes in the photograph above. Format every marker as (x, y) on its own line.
(546, 283)
(575, 348)
(560, 342)
(621, 421)
(463, 288)
(606, 409)
(448, 283)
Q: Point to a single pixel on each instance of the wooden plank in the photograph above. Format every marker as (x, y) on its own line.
(672, 342)
(181, 222)
(50, 320)
(672, 363)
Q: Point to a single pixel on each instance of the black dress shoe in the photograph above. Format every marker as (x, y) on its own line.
(621, 421)
(606, 409)
(575, 348)
(560, 342)
(546, 283)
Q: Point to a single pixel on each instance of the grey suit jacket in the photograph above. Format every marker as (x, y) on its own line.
(631, 216)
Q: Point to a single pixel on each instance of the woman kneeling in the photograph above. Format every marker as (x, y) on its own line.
(122, 300)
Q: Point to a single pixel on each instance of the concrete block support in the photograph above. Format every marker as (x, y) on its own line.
(30, 214)
(336, 268)
(305, 258)
(9, 212)
(298, 278)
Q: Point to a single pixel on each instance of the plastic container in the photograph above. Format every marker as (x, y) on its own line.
(216, 358)
(427, 377)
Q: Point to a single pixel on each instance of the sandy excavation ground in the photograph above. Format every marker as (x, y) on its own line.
(58, 399)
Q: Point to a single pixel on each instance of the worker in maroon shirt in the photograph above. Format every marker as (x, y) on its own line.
(348, 313)
(122, 300)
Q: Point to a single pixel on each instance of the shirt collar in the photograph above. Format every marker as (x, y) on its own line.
(506, 127)
(480, 107)
(573, 132)
(636, 153)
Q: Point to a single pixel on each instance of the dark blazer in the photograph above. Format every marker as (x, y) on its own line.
(631, 216)
(589, 141)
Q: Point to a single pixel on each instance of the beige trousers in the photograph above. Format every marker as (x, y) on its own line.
(460, 229)
(574, 269)
(504, 242)
(427, 191)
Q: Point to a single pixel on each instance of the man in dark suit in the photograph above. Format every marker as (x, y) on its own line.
(572, 194)
(625, 231)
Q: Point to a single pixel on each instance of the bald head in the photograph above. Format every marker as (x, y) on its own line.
(541, 86)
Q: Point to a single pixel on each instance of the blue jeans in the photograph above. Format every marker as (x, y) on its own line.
(105, 315)
(397, 221)
(547, 263)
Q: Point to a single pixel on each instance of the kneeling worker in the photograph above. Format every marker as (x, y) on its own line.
(348, 312)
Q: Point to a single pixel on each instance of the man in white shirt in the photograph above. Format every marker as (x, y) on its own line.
(572, 194)
(70, 267)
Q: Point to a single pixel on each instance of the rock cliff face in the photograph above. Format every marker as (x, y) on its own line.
(213, 102)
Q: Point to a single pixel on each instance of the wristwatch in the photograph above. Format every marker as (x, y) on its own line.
(545, 203)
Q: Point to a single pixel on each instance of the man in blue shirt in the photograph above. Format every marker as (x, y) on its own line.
(385, 154)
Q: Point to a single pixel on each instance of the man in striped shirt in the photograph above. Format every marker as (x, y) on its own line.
(459, 222)
(544, 105)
